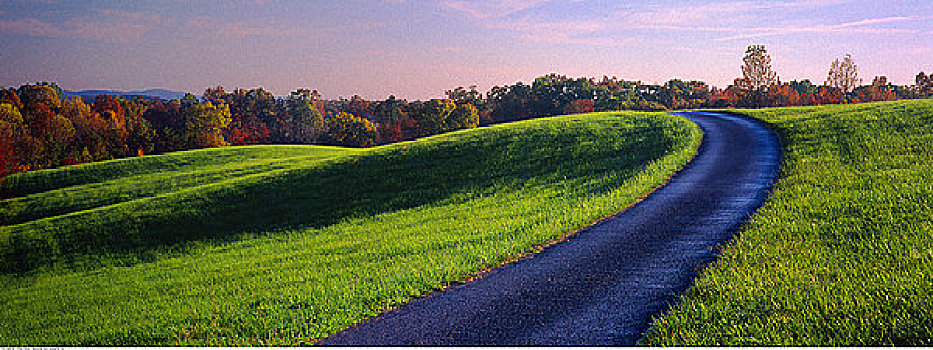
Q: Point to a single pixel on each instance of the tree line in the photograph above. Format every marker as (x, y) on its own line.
(41, 128)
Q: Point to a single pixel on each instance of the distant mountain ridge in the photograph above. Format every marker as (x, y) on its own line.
(162, 94)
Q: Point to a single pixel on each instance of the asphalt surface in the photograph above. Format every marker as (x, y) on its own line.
(603, 285)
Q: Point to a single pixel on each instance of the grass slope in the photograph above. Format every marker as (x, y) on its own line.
(288, 246)
(842, 252)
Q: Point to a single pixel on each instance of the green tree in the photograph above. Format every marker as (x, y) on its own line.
(306, 117)
(390, 109)
(461, 96)
(431, 116)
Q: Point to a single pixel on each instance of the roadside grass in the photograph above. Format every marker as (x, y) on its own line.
(841, 253)
(291, 247)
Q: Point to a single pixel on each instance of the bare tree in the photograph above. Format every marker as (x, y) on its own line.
(756, 72)
(843, 74)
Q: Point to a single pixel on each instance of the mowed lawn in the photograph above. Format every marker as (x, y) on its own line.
(842, 252)
(282, 245)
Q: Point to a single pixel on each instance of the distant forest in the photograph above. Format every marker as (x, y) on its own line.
(42, 128)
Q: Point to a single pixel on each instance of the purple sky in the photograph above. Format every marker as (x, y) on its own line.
(418, 49)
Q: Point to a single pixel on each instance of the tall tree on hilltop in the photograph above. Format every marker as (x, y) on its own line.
(306, 116)
(843, 74)
(924, 83)
(461, 96)
(756, 70)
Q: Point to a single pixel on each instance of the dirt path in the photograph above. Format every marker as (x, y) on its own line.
(602, 286)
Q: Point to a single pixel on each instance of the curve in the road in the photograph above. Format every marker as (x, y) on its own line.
(604, 285)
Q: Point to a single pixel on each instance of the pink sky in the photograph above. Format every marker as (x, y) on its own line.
(418, 49)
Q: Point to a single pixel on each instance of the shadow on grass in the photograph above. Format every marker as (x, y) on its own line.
(464, 166)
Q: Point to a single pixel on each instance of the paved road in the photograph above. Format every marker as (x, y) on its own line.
(603, 286)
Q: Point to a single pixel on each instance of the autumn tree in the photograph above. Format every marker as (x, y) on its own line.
(168, 125)
(431, 116)
(14, 141)
(924, 83)
(393, 121)
(345, 129)
(45, 93)
(805, 89)
(306, 116)
(756, 70)
(843, 74)
(465, 116)
(204, 122)
(390, 109)
(140, 135)
(784, 95)
(583, 105)
(829, 95)
(90, 132)
(357, 106)
(255, 115)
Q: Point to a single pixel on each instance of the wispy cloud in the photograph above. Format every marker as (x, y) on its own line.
(30, 26)
(616, 28)
(125, 27)
(107, 29)
(734, 12)
(854, 27)
(494, 8)
(591, 32)
(130, 16)
(208, 26)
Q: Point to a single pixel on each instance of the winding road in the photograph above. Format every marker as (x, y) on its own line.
(603, 285)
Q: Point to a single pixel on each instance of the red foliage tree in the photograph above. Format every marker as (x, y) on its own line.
(580, 106)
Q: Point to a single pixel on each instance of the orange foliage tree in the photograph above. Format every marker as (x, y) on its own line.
(345, 129)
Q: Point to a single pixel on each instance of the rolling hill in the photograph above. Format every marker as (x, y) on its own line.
(281, 245)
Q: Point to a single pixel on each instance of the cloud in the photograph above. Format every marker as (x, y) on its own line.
(107, 31)
(915, 50)
(713, 16)
(493, 8)
(212, 26)
(854, 27)
(77, 28)
(30, 26)
(128, 16)
(618, 28)
(126, 26)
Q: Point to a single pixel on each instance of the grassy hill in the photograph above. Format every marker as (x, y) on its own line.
(281, 245)
(842, 253)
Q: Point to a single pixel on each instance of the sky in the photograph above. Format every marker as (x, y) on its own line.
(418, 49)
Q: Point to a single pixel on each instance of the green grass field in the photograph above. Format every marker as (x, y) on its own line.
(281, 245)
(842, 252)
